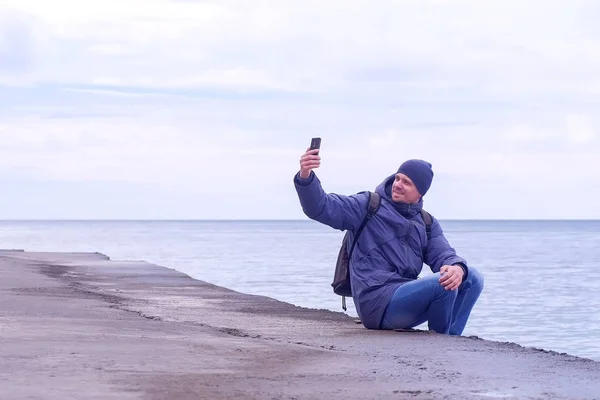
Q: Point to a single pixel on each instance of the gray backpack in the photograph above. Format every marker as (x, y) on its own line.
(341, 277)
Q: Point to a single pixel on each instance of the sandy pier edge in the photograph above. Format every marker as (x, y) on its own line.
(79, 325)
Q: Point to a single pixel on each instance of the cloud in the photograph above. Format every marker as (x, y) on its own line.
(488, 47)
(211, 144)
(572, 129)
(579, 129)
(16, 44)
(384, 141)
(127, 150)
(116, 93)
(227, 94)
(526, 133)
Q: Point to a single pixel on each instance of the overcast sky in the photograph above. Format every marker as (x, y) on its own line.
(201, 109)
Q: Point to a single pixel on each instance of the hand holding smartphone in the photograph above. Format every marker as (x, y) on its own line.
(310, 160)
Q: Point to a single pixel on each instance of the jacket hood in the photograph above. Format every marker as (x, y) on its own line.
(384, 189)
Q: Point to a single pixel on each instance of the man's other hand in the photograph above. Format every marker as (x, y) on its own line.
(452, 276)
(309, 161)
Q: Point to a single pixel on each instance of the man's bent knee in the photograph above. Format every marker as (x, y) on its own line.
(475, 278)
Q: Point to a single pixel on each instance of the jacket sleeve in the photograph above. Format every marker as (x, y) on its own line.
(439, 252)
(337, 211)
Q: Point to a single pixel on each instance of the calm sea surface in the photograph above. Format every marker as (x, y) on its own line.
(542, 277)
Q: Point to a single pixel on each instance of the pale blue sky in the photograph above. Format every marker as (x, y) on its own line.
(201, 109)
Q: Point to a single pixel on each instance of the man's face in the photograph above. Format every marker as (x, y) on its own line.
(404, 190)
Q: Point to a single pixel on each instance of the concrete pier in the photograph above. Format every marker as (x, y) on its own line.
(82, 326)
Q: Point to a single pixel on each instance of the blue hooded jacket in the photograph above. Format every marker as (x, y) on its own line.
(391, 249)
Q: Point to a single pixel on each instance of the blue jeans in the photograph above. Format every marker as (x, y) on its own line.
(446, 311)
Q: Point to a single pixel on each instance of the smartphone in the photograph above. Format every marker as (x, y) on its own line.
(315, 143)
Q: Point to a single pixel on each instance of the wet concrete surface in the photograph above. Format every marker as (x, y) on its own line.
(79, 325)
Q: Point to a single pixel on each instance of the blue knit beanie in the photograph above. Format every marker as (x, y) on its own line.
(419, 172)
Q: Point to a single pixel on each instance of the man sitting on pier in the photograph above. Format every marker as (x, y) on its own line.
(390, 252)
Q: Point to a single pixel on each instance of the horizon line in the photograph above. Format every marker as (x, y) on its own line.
(270, 219)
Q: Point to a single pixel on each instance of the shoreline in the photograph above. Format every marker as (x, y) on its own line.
(80, 322)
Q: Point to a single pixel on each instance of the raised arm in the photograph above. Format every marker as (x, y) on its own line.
(337, 211)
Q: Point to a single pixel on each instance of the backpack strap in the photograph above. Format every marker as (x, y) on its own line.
(374, 201)
(428, 221)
